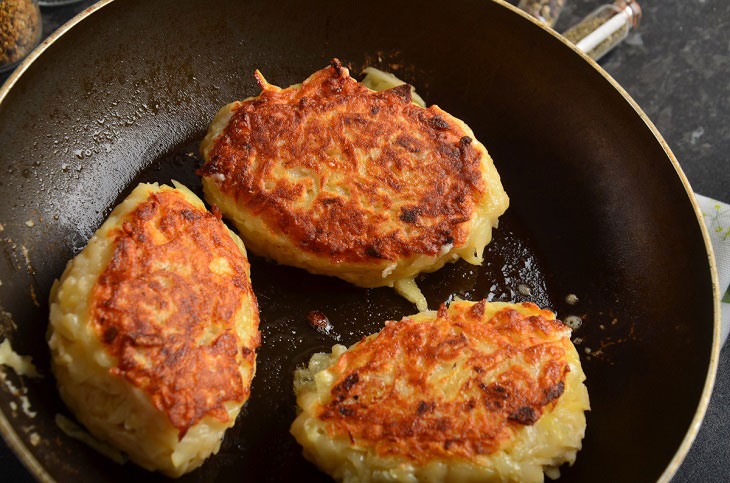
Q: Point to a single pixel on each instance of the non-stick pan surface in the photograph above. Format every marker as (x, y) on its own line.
(599, 208)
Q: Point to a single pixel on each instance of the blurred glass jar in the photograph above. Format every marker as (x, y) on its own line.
(20, 31)
(546, 11)
(605, 28)
(56, 3)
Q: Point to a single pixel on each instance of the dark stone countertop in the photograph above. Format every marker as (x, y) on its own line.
(677, 67)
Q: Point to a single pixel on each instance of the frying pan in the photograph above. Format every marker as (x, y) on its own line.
(599, 208)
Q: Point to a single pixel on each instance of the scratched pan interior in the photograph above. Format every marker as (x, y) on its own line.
(597, 208)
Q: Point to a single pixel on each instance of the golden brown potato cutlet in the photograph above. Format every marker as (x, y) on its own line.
(341, 180)
(153, 330)
(474, 392)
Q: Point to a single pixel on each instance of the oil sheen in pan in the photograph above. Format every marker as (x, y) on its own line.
(260, 441)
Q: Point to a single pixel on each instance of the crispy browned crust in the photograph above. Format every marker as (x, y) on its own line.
(389, 391)
(171, 330)
(409, 177)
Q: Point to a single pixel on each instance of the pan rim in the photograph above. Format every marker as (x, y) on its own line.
(37, 470)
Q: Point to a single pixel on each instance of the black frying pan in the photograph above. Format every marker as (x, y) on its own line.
(599, 208)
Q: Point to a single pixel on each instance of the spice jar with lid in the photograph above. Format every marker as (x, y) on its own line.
(605, 27)
(546, 11)
(20, 30)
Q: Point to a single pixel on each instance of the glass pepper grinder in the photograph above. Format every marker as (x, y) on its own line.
(605, 28)
(546, 11)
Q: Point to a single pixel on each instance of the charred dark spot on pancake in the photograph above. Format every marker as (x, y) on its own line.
(403, 91)
(409, 215)
(496, 397)
(449, 151)
(346, 411)
(466, 150)
(424, 407)
(409, 143)
(189, 215)
(437, 122)
(524, 415)
(154, 303)
(354, 119)
(211, 167)
(349, 381)
(459, 220)
(371, 251)
(554, 392)
(110, 333)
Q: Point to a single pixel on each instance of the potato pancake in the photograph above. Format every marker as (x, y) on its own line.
(153, 330)
(474, 392)
(341, 180)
